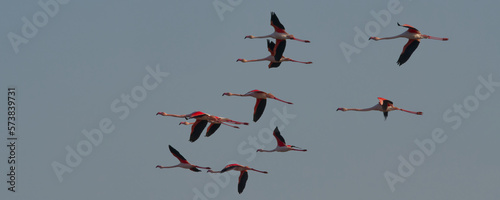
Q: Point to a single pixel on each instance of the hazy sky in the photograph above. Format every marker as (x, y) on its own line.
(108, 67)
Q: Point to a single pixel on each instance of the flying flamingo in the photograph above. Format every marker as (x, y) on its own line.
(215, 123)
(260, 105)
(202, 119)
(384, 106)
(282, 146)
(242, 181)
(279, 31)
(276, 57)
(184, 163)
(414, 37)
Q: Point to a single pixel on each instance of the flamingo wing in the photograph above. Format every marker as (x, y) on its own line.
(177, 154)
(196, 129)
(385, 104)
(242, 181)
(279, 49)
(194, 169)
(381, 100)
(270, 47)
(211, 129)
(411, 29)
(260, 105)
(197, 114)
(229, 167)
(279, 138)
(274, 64)
(408, 49)
(275, 22)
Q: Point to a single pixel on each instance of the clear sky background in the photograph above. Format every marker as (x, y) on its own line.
(91, 53)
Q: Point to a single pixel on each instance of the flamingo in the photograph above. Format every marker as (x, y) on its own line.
(279, 31)
(384, 106)
(184, 163)
(215, 123)
(202, 119)
(282, 146)
(242, 181)
(414, 37)
(260, 105)
(276, 57)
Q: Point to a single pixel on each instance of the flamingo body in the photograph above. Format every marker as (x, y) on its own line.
(279, 31)
(383, 105)
(260, 103)
(281, 144)
(414, 36)
(242, 180)
(183, 162)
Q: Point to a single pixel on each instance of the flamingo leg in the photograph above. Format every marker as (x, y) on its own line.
(306, 41)
(264, 172)
(435, 38)
(412, 112)
(282, 100)
(229, 125)
(300, 61)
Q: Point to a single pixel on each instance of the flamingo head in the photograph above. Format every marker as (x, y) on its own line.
(241, 60)
(374, 38)
(227, 93)
(420, 113)
(342, 109)
(158, 166)
(260, 150)
(185, 123)
(249, 36)
(161, 113)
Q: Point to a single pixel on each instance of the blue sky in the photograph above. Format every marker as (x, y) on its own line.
(73, 74)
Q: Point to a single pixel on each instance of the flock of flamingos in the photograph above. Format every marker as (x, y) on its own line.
(275, 59)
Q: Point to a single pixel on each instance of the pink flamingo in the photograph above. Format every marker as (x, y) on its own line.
(183, 162)
(276, 57)
(414, 37)
(242, 181)
(384, 106)
(202, 119)
(260, 105)
(279, 31)
(282, 146)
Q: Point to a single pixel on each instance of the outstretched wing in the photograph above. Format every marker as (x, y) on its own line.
(411, 29)
(270, 47)
(242, 181)
(275, 22)
(408, 49)
(177, 154)
(274, 65)
(229, 167)
(279, 138)
(196, 129)
(194, 169)
(260, 105)
(279, 49)
(211, 129)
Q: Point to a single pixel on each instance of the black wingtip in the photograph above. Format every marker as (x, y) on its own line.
(398, 24)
